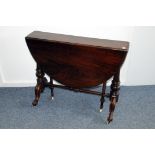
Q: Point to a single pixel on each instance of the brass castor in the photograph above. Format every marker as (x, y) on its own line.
(101, 110)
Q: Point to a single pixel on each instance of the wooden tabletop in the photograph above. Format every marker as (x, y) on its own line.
(69, 39)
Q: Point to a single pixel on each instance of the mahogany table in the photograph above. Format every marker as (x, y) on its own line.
(78, 63)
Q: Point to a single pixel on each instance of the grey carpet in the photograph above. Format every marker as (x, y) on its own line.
(136, 109)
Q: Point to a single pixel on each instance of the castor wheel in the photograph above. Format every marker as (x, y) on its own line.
(35, 102)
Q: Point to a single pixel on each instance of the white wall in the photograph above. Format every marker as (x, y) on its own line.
(17, 68)
(141, 68)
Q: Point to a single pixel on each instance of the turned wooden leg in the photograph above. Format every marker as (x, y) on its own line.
(102, 100)
(111, 109)
(115, 86)
(40, 85)
(52, 88)
(114, 95)
(38, 90)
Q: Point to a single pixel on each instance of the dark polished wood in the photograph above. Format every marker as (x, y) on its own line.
(41, 80)
(51, 85)
(114, 95)
(102, 96)
(79, 90)
(77, 63)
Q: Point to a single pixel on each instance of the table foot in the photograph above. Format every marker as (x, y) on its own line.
(111, 109)
(34, 103)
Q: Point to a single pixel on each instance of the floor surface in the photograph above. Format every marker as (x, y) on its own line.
(70, 110)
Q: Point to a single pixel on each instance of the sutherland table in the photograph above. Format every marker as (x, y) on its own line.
(78, 63)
